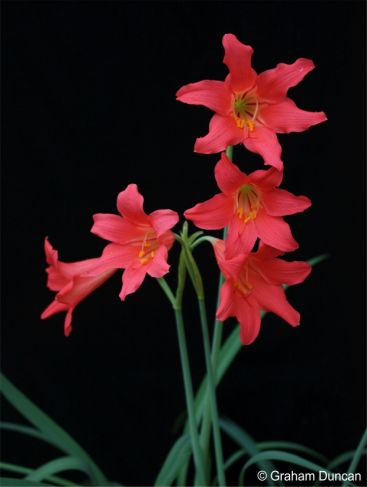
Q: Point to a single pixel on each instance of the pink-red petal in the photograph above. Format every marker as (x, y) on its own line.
(212, 214)
(264, 141)
(131, 280)
(241, 237)
(225, 309)
(222, 133)
(273, 298)
(274, 231)
(130, 204)
(163, 220)
(280, 202)
(211, 94)
(273, 84)
(237, 57)
(248, 314)
(279, 272)
(159, 266)
(228, 176)
(110, 227)
(285, 117)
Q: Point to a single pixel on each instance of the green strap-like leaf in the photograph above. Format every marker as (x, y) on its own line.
(357, 455)
(178, 454)
(58, 465)
(11, 467)
(243, 439)
(50, 429)
(26, 430)
(343, 458)
(13, 482)
(286, 445)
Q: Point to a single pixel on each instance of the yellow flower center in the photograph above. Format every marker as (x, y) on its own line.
(247, 203)
(148, 248)
(245, 109)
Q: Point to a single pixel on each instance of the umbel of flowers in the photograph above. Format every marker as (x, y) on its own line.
(249, 109)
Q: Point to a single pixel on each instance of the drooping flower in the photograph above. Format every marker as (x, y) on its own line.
(250, 108)
(72, 282)
(251, 206)
(253, 282)
(140, 242)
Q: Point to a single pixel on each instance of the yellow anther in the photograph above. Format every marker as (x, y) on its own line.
(249, 124)
(152, 254)
(141, 253)
(144, 260)
(240, 122)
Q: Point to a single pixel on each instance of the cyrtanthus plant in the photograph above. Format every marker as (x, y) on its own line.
(249, 110)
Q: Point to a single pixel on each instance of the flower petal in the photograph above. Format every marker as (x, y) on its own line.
(285, 117)
(211, 94)
(132, 280)
(225, 309)
(159, 266)
(222, 133)
(263, 141)
(238, 60)
(279, 272)
(273, 84)
(273, 298)
(111, 227)
(81, 286)
(53, 308)
(274, 231)
(280, 202)
(212, 214)
(241, 237)
(115, 256)
(267, 178)
(163, 220)
(228, 176)
(248, 314)
(130, 205)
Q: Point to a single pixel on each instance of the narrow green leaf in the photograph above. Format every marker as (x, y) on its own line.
(286, 445)
(26, 430)
(178, 454)
(13, 482)
(357, 455)
(49, 428)
(243, 439)
(342, 458)
(58, 465)
(11, 467)
(282, 457)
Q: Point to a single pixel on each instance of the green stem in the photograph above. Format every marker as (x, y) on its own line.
(198, 459)
(211, 395)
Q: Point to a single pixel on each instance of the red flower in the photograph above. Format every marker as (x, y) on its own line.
(254, 282)
(72, 283)
(140, 242)
(251, 206)
(250, 108)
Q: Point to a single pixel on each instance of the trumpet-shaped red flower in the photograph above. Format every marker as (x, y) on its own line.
(254, 282)
(72, 283)
(140, 242)
(251, 206)
(250, 108)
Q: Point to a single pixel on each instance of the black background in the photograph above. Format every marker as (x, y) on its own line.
(89, 107)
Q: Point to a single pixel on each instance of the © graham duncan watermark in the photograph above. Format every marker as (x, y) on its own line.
(320, 476)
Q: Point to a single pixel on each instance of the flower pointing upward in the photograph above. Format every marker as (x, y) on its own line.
(140, 242)
(250, 108)
(251, 206)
